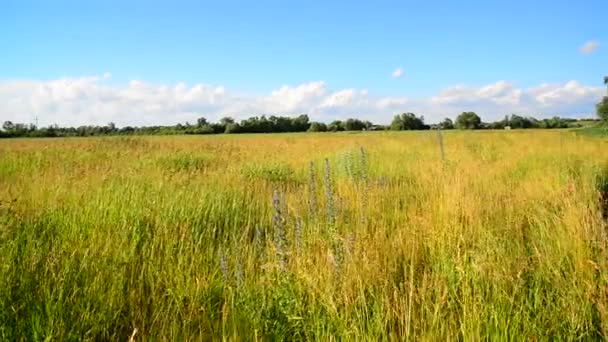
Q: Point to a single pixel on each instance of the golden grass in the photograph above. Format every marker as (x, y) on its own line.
(102, 237)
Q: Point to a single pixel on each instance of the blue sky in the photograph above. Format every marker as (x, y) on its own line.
(245, 51)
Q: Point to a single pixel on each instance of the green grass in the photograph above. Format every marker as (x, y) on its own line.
(181, 238)
(593, 130)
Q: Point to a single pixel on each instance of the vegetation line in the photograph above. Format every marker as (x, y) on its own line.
(282, 124)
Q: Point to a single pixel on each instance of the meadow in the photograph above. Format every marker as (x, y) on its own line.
(331, 236)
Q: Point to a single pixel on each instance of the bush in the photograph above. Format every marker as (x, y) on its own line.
(602, 109)
(407, 121)
(468, 120)
(317, 127)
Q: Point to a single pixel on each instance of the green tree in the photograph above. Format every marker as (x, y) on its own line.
(602, 109)
(407, 121)
(602, 106)
(232, 128)
(447, 123)
(335, 126)
(300, 123)
(226, 120)
(317, 127)
(354, 125)
(468, 120)
(8, 126)
(201, 122)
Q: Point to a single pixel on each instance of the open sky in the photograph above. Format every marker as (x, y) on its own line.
(163, 62)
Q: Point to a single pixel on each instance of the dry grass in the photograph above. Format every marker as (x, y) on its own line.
(100, 238)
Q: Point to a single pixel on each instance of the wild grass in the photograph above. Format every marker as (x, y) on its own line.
(376, 236)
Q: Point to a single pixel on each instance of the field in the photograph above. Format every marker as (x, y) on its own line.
(367, 236)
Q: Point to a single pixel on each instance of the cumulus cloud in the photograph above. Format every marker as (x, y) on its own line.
(397, 73)
(392, 102)
(91, 100)
(289, 98)
(589, 47)
(495, 100)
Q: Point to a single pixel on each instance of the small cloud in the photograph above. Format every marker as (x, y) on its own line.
(107, 76)
(397, 73)
(589, 47)
(392, 102)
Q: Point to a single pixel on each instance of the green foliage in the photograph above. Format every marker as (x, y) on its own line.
(232, 128)
(201, 122)
(184, 162)
(336, 126)
(602, 109)
(271, 172)
(276, 124)
(408, 121)
(446, 124)
(317, 127)
(468, 120)
(98, 242)
(354, 125)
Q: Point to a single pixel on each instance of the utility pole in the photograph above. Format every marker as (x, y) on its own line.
(36, 122)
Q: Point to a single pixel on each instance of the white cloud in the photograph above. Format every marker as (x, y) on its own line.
(392, 102)
(90, 100)
(289, 98)
(397, 73)
(589, 47)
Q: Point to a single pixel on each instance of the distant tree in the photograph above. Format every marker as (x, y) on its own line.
(226, 120)
(335, 126)
(8, 126)
(354, 125)
(468, 120)
(447, 123)
(127, 130)
(218, 127)
(301, 123)
(205, 129)
(407, 121)
(606, 81)
(501, 124)
(602, 109)
(317, 127)
(516, 121)
(232, 128)
(201, 122)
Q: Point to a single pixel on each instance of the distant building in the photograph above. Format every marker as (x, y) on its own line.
(507, 127)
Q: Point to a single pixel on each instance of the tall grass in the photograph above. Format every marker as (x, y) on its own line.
(359, 237)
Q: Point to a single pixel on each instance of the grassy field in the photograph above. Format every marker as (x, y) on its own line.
(369, 236)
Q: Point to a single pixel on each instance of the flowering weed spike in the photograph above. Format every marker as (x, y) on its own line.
(280, 237)
(223, 265)
(440, 141)
(312, 188)
(331, 210)
(298, 234)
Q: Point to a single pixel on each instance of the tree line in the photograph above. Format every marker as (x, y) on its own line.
(300, 123)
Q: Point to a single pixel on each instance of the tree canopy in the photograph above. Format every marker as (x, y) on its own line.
(298, 123)
(408, 121)
(602, 109)
(468, 120)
